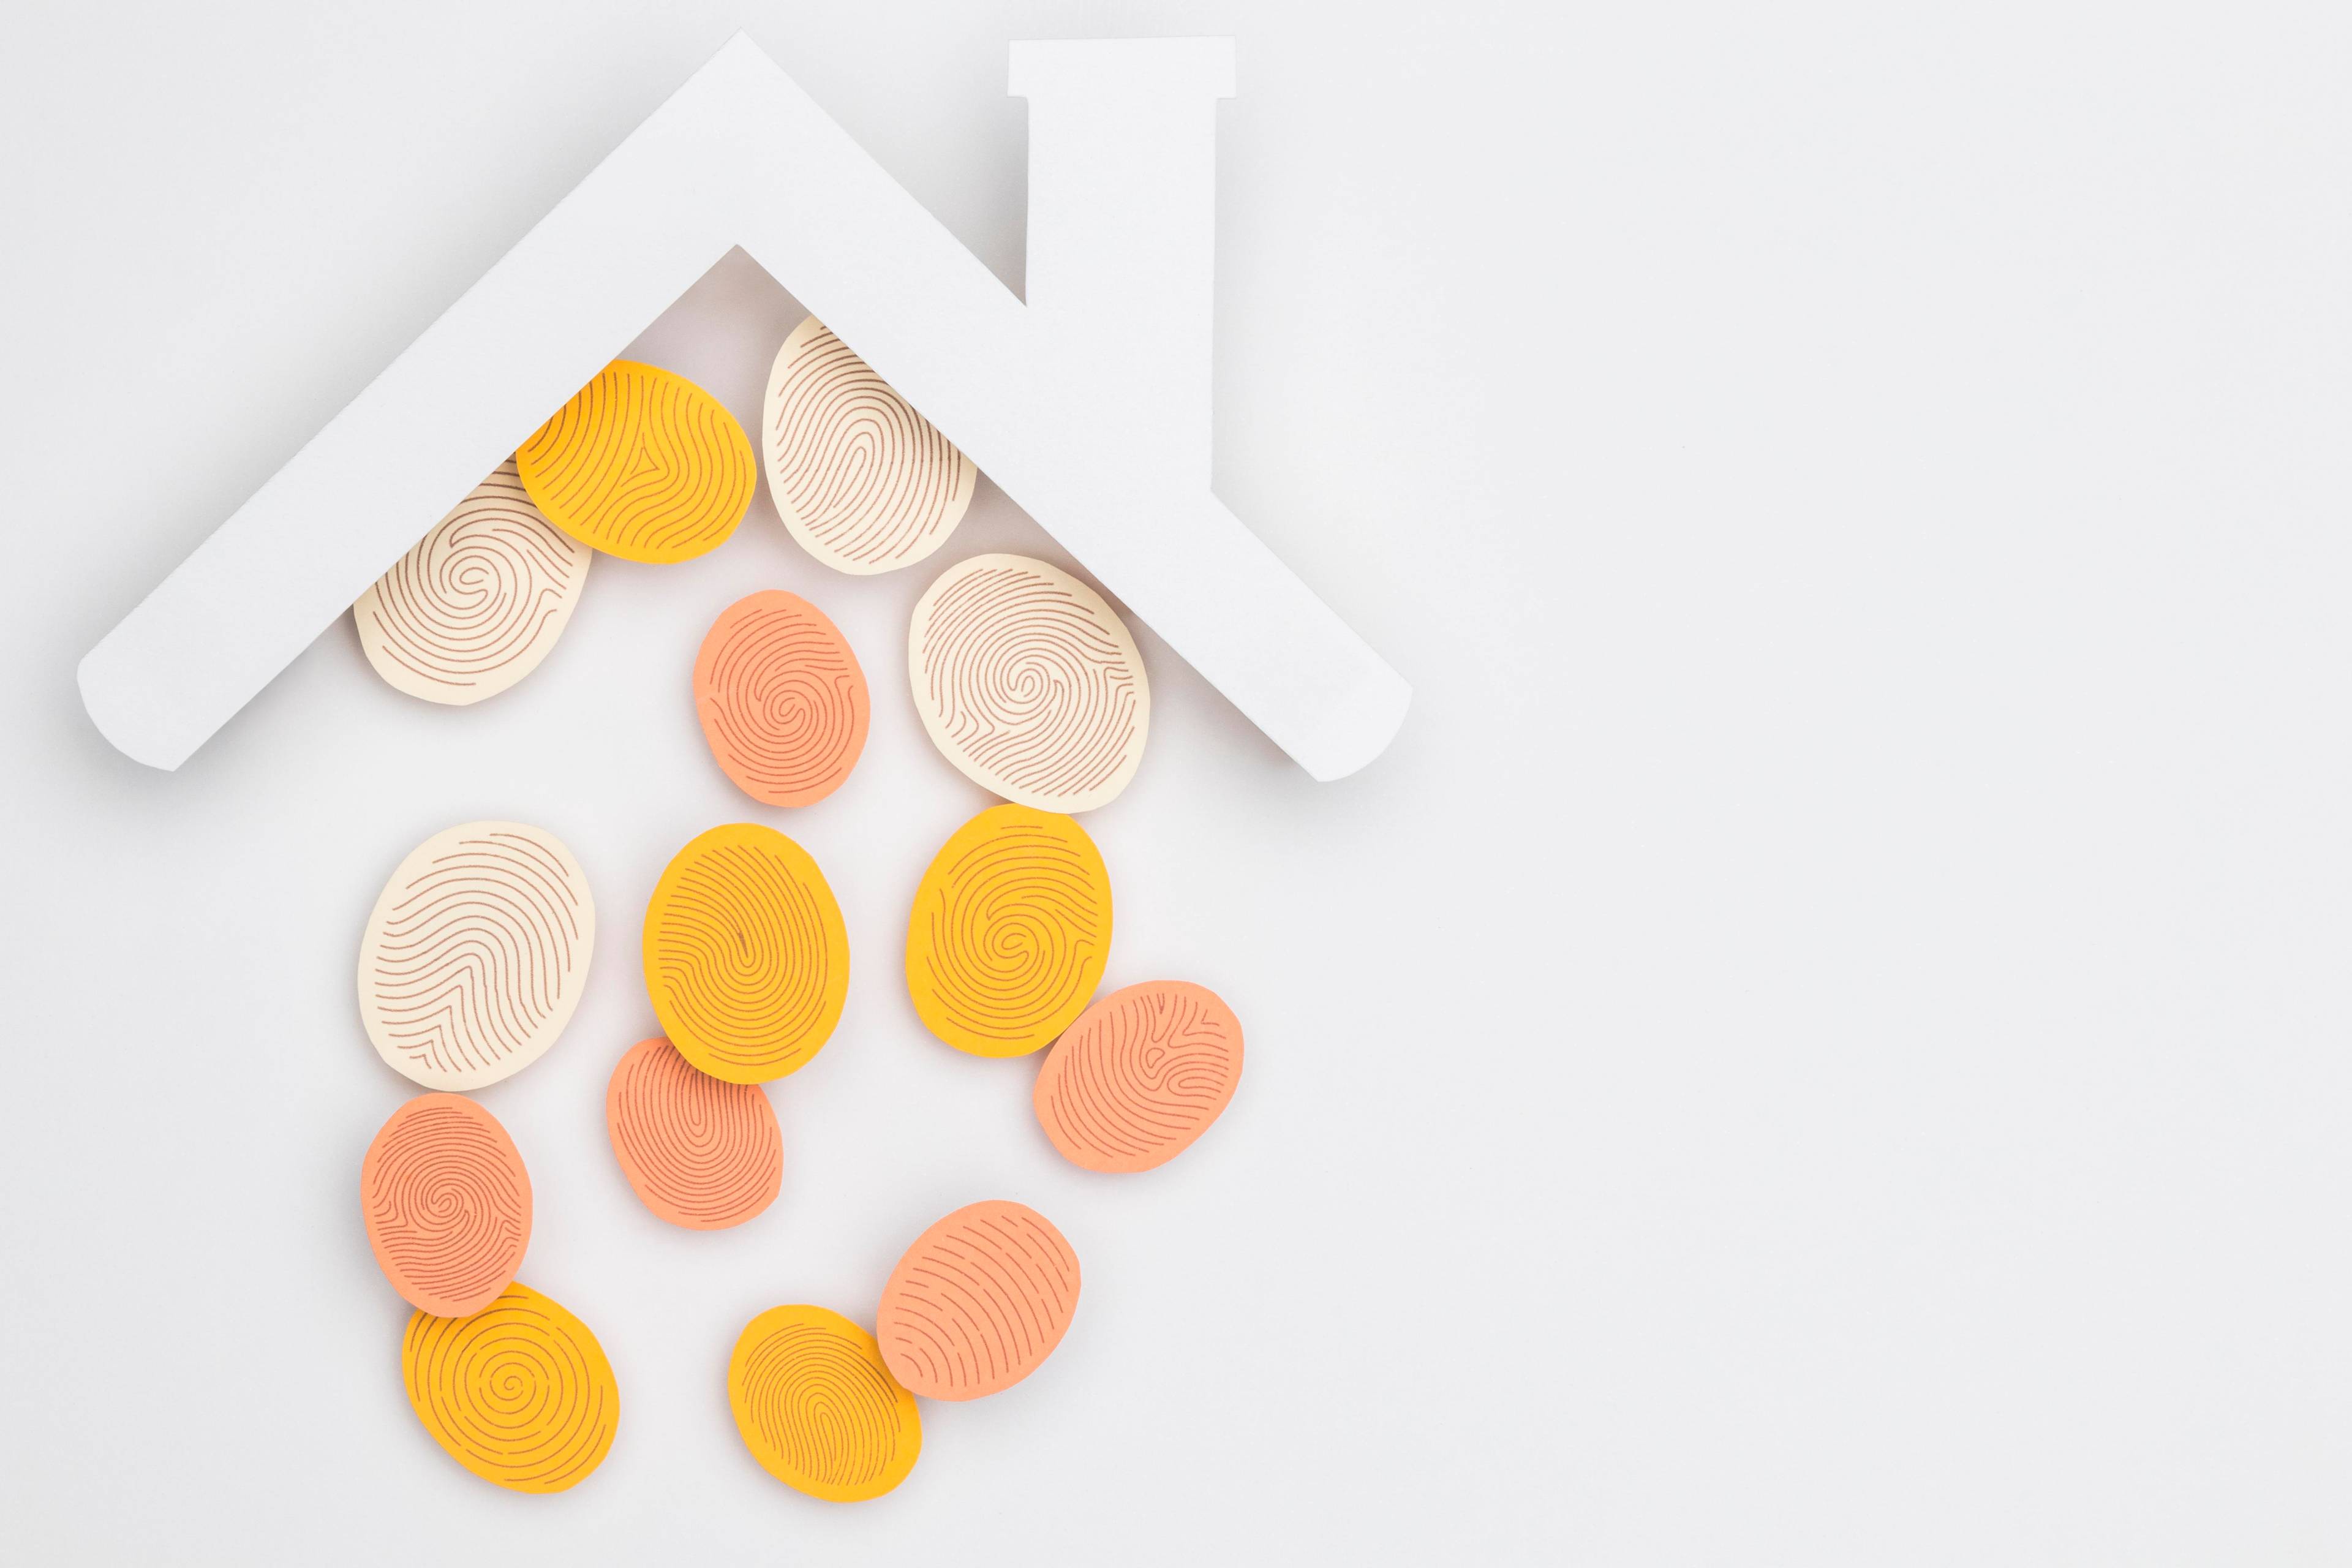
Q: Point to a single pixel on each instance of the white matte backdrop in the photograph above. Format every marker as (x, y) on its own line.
(1825, 1041)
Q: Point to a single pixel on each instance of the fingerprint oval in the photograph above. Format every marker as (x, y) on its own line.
(476, 953)
(978, 1302)
(519, 1393)
(781, 698)
(746, 957)
(818, 1408)
(447, 1204)
(864, 482)
(479, 601)
(1027, 682)
(1140, 1076)
(642, 464)
(701, 1152)
(1010, 931)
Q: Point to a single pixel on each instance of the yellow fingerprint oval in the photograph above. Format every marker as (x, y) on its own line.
(642, 464)
(1010, 931)
(746, 960)
(519, 1394)
(817, 1405)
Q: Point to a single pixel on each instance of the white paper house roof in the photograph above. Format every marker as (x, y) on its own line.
(1088, 405)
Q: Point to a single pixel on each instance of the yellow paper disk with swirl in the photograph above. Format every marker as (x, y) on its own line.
(519, 1394)
(746, 961)
(642, 464)
(817, 1405)
(1010, 931)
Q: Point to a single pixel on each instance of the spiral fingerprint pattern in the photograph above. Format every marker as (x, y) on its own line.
(701, 1154)
(781, 698)
(978, 1302)
(476, 954)
(519, 1393)
(447, 1202)
(1027, 682)
(479, 602)
(818, 1408)
(1140, 1076)
(746, 957)
(864, 481)
(642, 464)
(1009, 932)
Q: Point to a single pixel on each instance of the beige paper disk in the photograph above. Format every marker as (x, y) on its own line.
(476, 954)
(1028, 682)
(479, 601)
(864, 481)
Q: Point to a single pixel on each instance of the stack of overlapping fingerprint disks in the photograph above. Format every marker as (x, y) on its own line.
(477, 950)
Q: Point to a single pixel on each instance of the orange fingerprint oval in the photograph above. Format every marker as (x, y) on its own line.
(1028, 682)
(818, 1408)
(518, 1393)
(642, 464)
(701, 1152)
(978, 1302)
(1010, 931)
(1140, 1076)
(746, 957)
(447, 1204)
(782, 698)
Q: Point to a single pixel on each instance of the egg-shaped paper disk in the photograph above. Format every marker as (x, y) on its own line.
(701, 1152)
(476, 953)
(1029, 683)
(861, 480)
(479, 603)
(746, 958)
(978, 1302)
(782, 698)
(1140, 1076)
(1010, 931)
(642, 464)
(519, 1393)
(446, 1202)
(817, 1407)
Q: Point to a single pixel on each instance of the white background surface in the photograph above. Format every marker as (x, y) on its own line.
(1825, 1041)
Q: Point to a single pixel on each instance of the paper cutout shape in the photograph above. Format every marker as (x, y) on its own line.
(746, 957)
(864, 482)
(978, 1302)
(642, 464)
(781, 698)
(1140, 1076)
(475, 954)
(447, 1202)
(1010, 931)
(1028, 683)
(519, 1394)
(818, 1408)
(479, 601)
(701, 1152)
